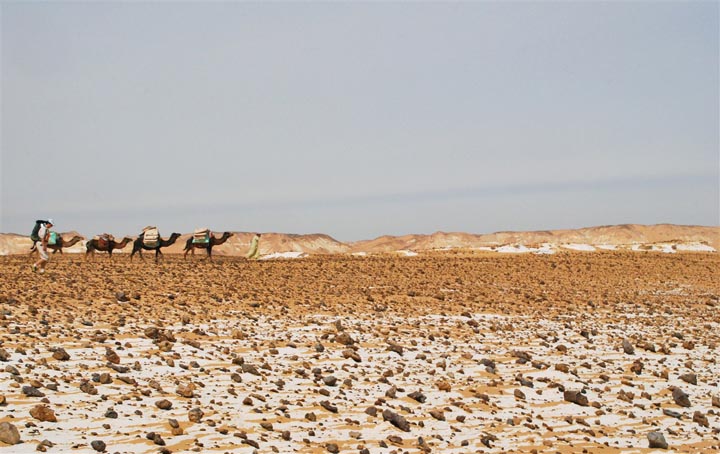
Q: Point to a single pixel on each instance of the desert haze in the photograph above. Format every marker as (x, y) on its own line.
(628, 236)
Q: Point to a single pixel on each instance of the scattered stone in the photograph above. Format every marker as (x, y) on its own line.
(43, 413)
(628, 347)
(98, 445)
(576, 397)
(9, 434)
(418, 396)
(88, 388)
(680, 397)
(32, 391)
(186, 390)
(163, 404)
(345, 339)
(689, 378)
(657, 440)
(701, 419)
(195, 415)
(60, 354)
(396, 420)
(328, 406)
(350, 354)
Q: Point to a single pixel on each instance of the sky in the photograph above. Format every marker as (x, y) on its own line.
(358, 119)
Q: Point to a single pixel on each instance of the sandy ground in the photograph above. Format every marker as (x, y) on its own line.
(438, 352)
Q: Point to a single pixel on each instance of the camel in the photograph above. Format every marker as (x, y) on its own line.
(105, 246)
(190, 246)
(59, 245)
(138, 245)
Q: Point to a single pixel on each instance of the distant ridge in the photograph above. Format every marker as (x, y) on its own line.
(623, 236)
(618, 235)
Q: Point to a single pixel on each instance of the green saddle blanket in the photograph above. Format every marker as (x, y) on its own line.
(53, 238)
(204, 240)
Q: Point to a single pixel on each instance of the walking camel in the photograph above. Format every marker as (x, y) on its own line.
(213, 241)
(107, 244)
(60, 243)
(139, 245)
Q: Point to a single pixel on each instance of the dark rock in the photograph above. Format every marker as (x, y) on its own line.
(60, 354)
(88, 388)
(680, 397)
(576, 397)
(163, 404)
(417, 396)
(657, 440)
(689, 378)
(345, 339)
(32, 391)
(98, 445)
(701, 419)
(328, 406)
(396, 420)
(250, 369)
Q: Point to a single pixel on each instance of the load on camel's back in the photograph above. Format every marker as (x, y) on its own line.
(103, 240)
(201, 236)
(151, 236)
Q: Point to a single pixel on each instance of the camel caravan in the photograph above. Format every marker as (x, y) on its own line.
(149, 240)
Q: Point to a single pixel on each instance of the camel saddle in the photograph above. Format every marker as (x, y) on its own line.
(104, 239)
(201, 235)
(151, 236)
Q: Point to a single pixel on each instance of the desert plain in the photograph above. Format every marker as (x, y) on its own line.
(456, 351)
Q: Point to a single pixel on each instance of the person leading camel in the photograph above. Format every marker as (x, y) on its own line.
(44, 234)
(254, 251)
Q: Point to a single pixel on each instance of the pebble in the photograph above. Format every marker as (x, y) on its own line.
(657, 440)
(195, 415)
(9, 433)
(43, 413)
(396, 420)
(680, 397)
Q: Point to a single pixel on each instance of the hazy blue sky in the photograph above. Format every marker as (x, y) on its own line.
(358, 119)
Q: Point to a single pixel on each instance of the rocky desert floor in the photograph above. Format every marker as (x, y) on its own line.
(451, 352)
